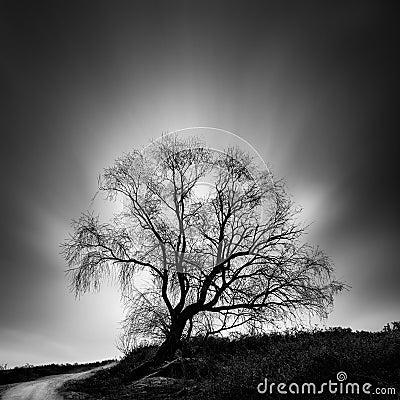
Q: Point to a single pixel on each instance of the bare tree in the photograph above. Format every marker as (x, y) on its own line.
(230, 257)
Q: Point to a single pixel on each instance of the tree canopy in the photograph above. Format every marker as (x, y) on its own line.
(206, 241)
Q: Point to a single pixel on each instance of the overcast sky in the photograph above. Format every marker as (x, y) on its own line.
(313, 86)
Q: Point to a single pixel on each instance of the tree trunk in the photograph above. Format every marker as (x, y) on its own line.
(171, 343)
(165, 352)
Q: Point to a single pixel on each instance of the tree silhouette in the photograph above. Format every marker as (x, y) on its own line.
(193, 261)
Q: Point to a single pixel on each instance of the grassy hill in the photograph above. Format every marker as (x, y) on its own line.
(222, 368)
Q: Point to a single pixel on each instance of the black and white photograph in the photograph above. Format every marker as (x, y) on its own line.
(199, 199)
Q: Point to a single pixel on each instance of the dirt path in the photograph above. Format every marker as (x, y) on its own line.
(44, 388)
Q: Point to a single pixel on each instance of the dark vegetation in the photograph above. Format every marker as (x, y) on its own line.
(30, 372)
(231, 368)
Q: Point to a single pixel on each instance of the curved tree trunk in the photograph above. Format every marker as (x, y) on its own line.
(168, 348)
(165, 352)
